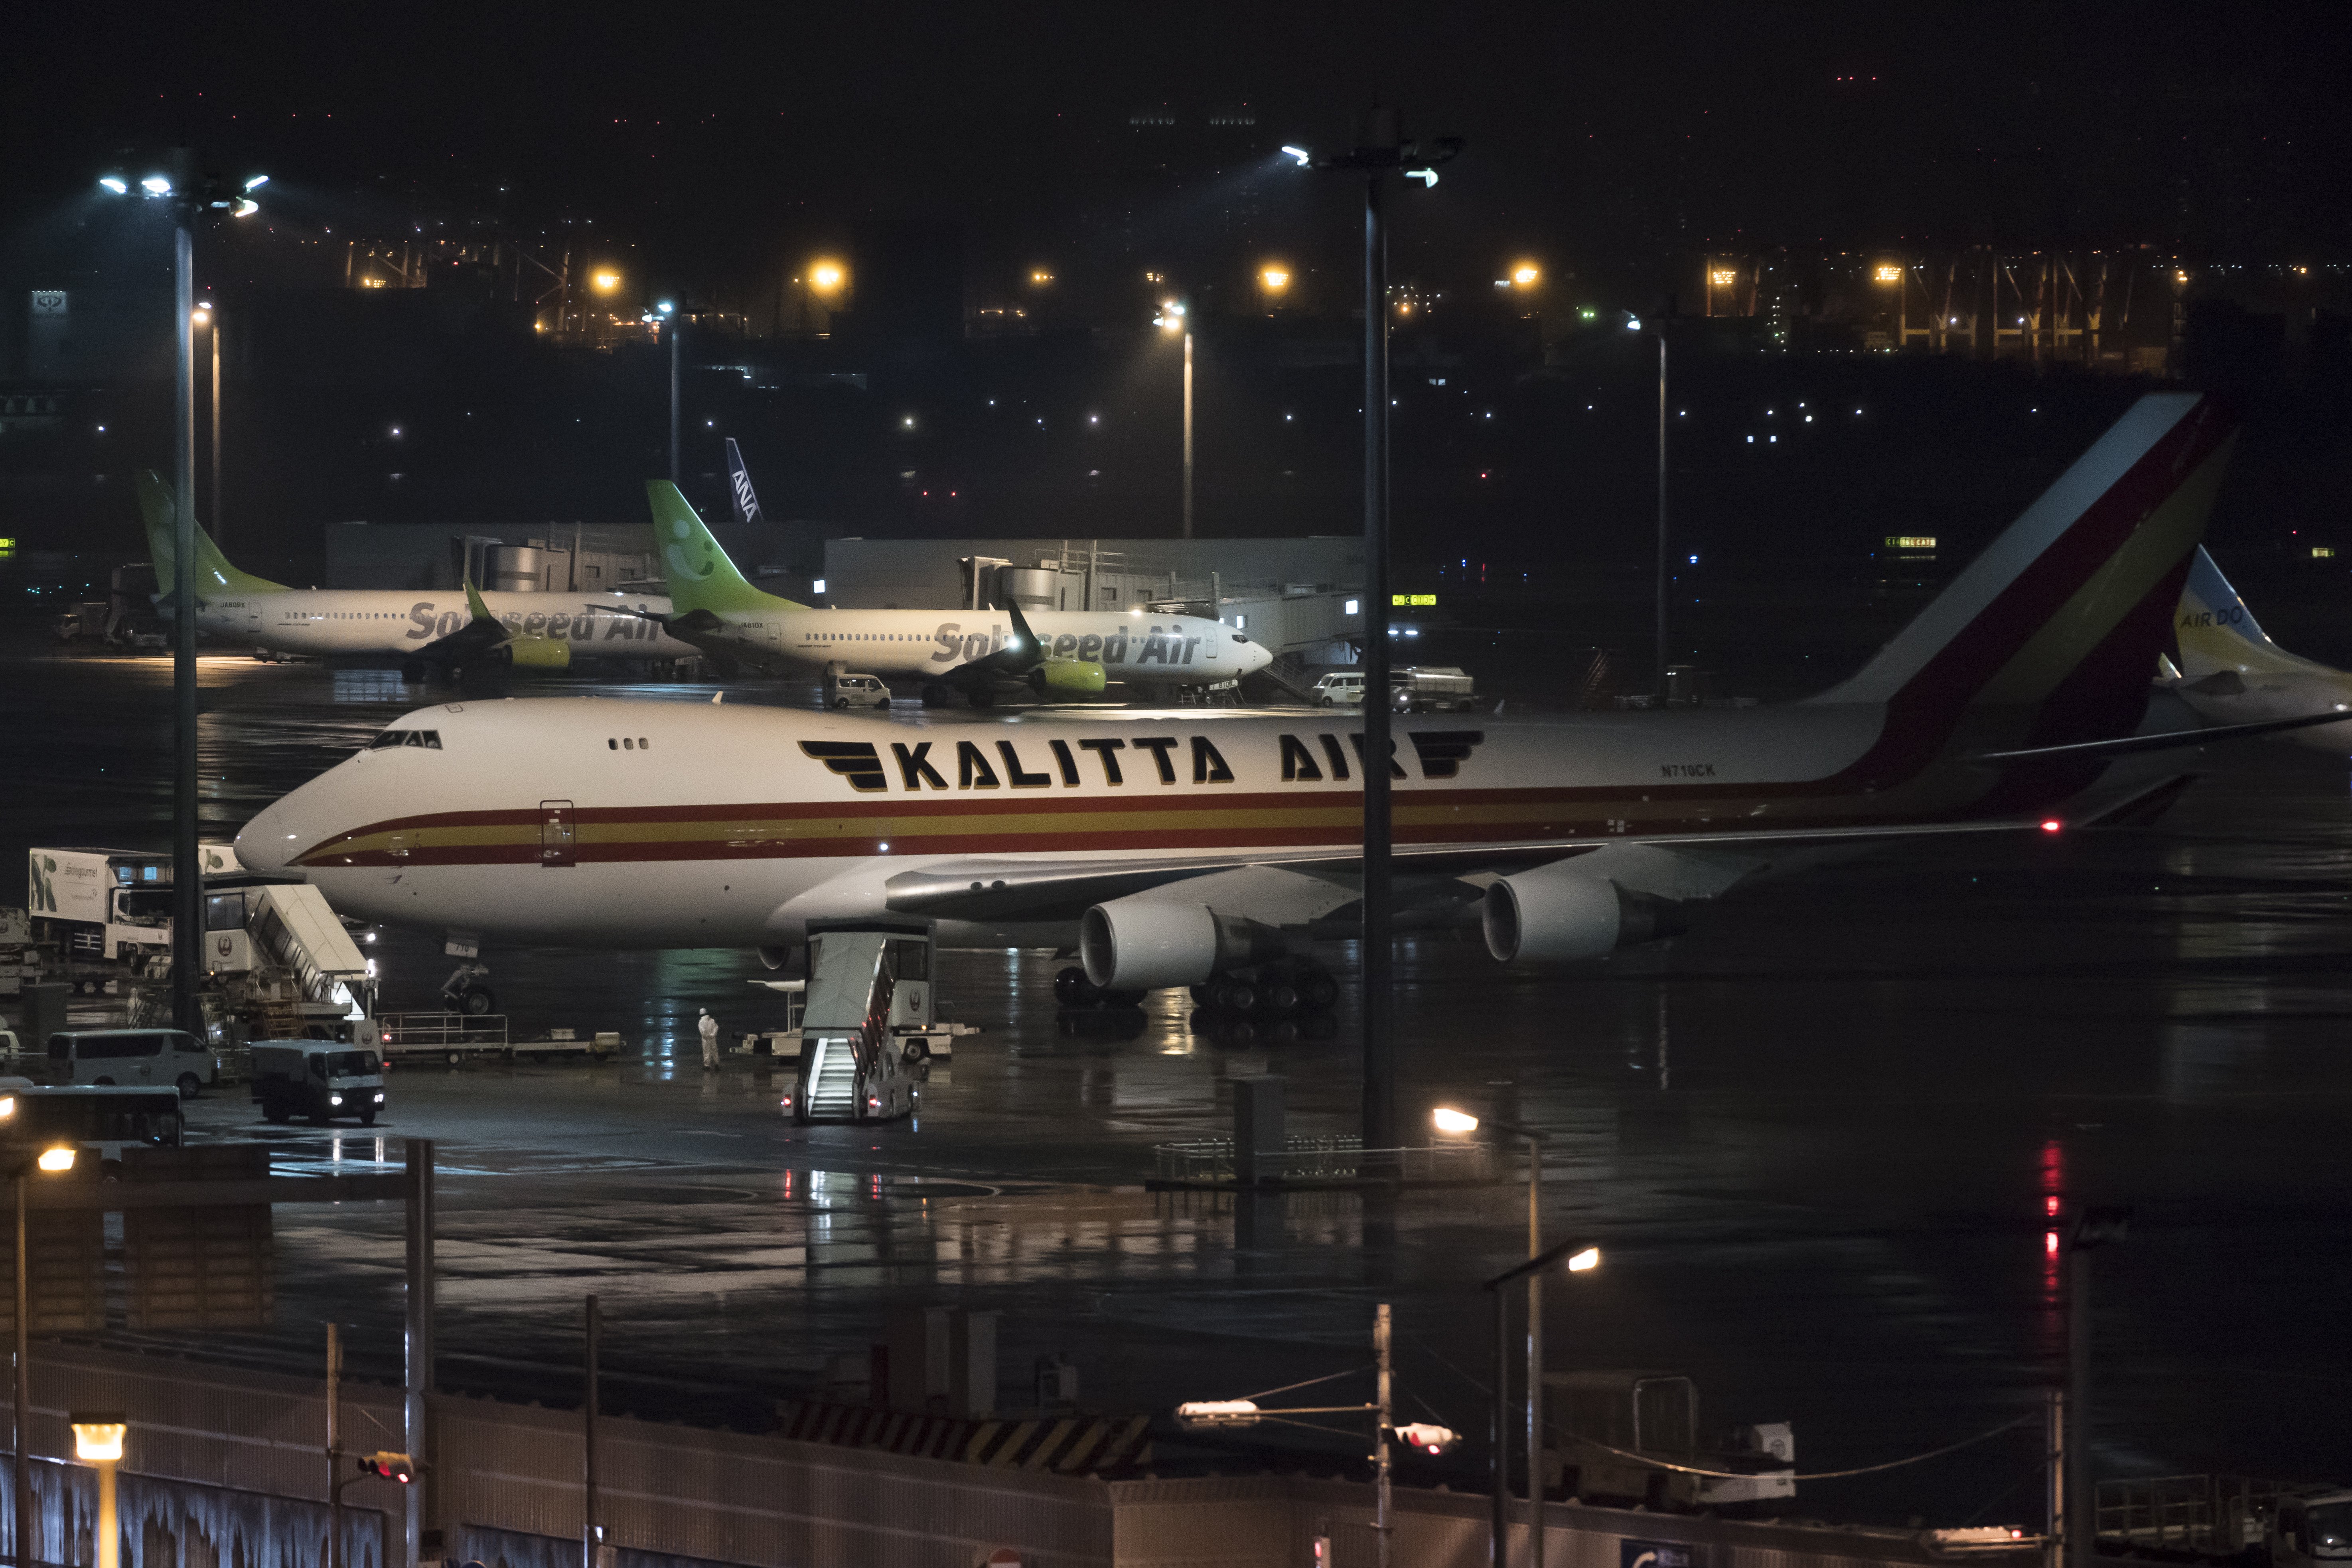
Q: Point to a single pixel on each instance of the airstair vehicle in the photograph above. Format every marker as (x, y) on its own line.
(869, 994)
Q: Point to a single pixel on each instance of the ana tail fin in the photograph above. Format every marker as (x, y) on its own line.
(702, 577)
(159, 509)
(739, 481)
(2057, 624)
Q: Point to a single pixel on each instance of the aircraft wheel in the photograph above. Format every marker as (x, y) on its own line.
(1124, 998)
(1237, 996)
(1205, 995)
(1240, 1032)
(1282, 1032)
(1317, 990)
(935, 695)
(476, 1002)
(981, 697)
(1279, 999)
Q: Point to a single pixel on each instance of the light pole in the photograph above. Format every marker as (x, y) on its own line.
(669, 326)
(53, 1162)
(97, 1442)
(1426, 1436)
(1581, 1257)
(2097, 1226)
(1449, 1119)
(209, 318)
(1380, 151)
(192, 198)
(1174, 318)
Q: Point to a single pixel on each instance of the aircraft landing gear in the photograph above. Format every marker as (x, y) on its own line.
(1075, 992)
(465, 993)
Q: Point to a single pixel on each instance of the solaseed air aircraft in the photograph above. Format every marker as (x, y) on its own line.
(1188, 848)
(423, 629)
(1071, 653)
(2231, 673)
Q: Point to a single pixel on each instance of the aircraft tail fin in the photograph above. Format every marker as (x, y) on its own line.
(2048, 637)
(739, 484)
(702, 577)
(2216, 631)
(159, 509)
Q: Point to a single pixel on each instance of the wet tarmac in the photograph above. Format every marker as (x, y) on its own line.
(1817, 1136)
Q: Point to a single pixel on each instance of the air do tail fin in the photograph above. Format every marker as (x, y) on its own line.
(701, 575)
(2055, 626)
(2215, 631)
(159, 509)
(739, 484)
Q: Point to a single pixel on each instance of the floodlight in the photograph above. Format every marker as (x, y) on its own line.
(114, 182)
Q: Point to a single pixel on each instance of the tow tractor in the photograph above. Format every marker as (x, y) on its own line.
(866, 1024)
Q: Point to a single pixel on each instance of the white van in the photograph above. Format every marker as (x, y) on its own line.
(1339, 690)
(133, 1058)
(2308, 1531)
(860, 691)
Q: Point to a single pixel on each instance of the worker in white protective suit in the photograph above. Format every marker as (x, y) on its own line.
(708, 1027)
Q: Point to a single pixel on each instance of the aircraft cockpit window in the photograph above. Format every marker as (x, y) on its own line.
(428, 739)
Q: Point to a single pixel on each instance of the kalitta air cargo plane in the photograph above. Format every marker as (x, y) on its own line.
(2231, 673)
(425, 629)
(1069, 653)
(1181, 848)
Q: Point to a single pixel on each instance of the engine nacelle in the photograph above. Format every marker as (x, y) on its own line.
(539, 653)
(1147, 942)
(1068, 677)
(1555, 914)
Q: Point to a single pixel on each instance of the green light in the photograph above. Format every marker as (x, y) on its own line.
(1586, 313)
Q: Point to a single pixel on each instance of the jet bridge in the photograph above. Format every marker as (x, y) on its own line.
(869, 984)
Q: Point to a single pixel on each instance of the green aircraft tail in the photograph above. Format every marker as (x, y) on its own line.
(701, 575)
(214, 574)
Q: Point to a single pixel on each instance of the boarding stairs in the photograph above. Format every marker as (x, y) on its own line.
(852, 1066)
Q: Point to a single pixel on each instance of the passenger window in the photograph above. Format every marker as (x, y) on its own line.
(611, 745)
(628, 745)
(644, 744)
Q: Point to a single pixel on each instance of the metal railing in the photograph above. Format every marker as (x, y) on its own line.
(443, 1031)
(1331, 1159)
(2200, 1513)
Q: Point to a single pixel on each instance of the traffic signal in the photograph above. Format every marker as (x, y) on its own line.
(1427, 1436)
(391, 1467)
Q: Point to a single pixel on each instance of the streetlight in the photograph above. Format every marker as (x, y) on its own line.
(1449, 1119)
(51, 1162)
(1526, 275)
(1173, 317)
(1578, 1258)
(97, 1441)
(1380, 151)
(1426, 1436)
(208, 321)
(1274, 278)
(1633, 324)
(605, 282)
(2077, 1517)
(193, 197)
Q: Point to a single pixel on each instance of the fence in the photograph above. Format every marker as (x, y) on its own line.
(2199, 1513)
(1209, 1161)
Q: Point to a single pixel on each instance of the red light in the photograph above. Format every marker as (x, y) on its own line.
(2052, 826)
(2049, 1241)
(2050, 1206)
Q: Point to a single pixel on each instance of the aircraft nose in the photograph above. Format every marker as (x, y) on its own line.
(265, 843)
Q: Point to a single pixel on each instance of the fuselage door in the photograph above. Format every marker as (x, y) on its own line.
(558, 832)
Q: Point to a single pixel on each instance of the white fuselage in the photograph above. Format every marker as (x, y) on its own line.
(1130, 646)
(399, 624)
(634, 824)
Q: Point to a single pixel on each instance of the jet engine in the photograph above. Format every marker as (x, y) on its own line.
(1147, 940)
(1068, 677)
(1556, 913)
(539, 653)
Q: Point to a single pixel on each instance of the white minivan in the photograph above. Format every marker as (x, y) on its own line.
(133, 1058)
(860, 691)
(1339, 690)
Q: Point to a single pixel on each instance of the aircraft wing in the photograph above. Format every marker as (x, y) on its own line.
(719, 641)
(1686, 865)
